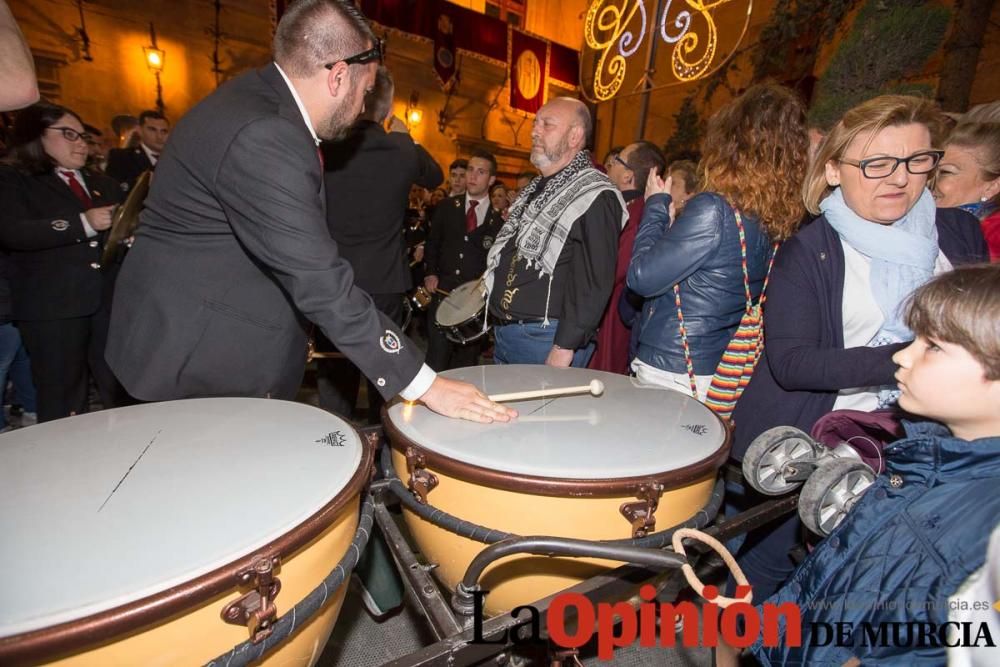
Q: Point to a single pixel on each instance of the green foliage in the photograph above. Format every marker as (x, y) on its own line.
(808, 21)
(685, 142)
(890, 41)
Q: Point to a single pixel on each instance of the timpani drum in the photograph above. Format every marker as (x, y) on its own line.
(632, 461)
(127, 532)
(461, 315)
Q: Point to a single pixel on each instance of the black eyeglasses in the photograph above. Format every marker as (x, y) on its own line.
(619, 160)
(69, 134)
(375, 53)
(880, 167)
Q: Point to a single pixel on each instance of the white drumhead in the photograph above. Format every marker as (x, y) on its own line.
(628, 431)
(462, 303)
(106, 508)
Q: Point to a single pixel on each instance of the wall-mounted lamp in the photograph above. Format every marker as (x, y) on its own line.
(414, 114)
(155, 60)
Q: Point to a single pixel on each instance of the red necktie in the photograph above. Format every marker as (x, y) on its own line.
(77, 189)
(470, 217)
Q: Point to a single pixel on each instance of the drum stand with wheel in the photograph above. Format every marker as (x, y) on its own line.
(833, 479)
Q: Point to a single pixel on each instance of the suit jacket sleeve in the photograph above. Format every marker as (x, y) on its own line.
(426, 172)
(269, 184)
(432, 247)
(25, 227)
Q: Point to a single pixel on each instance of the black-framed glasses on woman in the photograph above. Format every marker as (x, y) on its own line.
(377, 52)
(69, 134)
(923, 162)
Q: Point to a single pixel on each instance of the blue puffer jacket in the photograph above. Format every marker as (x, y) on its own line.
(901, 552)
(701, 251)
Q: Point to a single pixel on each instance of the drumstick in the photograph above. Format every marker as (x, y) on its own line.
(595, 388)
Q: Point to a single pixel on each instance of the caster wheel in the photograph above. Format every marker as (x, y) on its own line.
(831, 491)
(768, 454)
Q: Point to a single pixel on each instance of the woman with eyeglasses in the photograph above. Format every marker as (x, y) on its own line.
(54, 215)
(969, 177)
(833, 318)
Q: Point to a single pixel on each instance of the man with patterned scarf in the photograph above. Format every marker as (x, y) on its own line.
(551, 269)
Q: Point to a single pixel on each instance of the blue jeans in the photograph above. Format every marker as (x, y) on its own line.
(14, 362)
(531, 343)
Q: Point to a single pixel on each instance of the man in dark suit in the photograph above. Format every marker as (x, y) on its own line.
(125, 165)
(462, 231)
(368, 179)
(233, 254)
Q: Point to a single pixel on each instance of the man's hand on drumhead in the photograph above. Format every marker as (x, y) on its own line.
(462, 400)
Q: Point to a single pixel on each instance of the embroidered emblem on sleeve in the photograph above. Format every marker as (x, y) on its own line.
(60, 225)
(390, 342)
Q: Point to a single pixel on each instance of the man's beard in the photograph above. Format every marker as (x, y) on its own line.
(336, 126)
(543, 159)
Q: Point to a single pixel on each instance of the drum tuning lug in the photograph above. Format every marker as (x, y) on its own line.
(422, 481)
(642, 514)
(255, 609)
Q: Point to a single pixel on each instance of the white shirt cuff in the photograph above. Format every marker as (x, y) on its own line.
(87, 229)
(420, 384)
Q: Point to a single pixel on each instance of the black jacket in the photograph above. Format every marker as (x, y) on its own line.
(804, 363)
(453, 255)
(368, 178)
(126, 165)
(233, 256)
(54, 269)
(701, 252)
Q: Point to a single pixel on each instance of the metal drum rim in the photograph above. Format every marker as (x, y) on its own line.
(560, 486)
(63, 639)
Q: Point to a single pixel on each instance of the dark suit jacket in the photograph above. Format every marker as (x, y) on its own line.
(451, 254)
(54, 268)
(233, 255)
(125, 165)
(368, 178)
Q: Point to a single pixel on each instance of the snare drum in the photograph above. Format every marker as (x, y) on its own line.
(127, 532)
(578, 466)
(461, 316)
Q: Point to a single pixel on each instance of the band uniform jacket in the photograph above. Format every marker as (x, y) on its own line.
(368, 179)
(452, 254)
(233, 256)
(126, 165)
(55, 270)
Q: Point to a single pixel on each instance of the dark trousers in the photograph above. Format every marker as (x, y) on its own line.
(338, 380)
(442, 354)
(64, 355)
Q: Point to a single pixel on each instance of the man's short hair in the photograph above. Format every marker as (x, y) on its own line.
(151, 114)
(485, 155)
(460, 163)
(91, 130)
(314, 33)
(378, 102)
(962, 307)
(644, 157)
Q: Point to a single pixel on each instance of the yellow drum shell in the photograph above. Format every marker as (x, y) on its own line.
(183, 626)
(580, 510)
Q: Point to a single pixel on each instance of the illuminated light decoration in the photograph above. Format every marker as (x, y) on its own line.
(689, 27)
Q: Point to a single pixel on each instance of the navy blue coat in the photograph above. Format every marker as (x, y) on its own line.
(701, 252)
(804, 363)
(900, 552)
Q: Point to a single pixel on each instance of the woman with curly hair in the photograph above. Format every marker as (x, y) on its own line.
(839, 287)
(753, 159)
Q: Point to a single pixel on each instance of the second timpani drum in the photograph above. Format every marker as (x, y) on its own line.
(129, 536)
(620, 465)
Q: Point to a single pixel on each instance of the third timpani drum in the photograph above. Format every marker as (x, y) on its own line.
(141, 535)
(620, 465)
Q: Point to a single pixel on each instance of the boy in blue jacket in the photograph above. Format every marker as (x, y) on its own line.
(886, 572)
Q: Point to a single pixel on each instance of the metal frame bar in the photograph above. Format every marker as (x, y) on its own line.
(453, 646)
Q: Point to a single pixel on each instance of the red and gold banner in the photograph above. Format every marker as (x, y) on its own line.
(445, 53)
(528, 63)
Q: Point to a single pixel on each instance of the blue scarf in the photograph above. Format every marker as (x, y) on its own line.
(903, 255)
